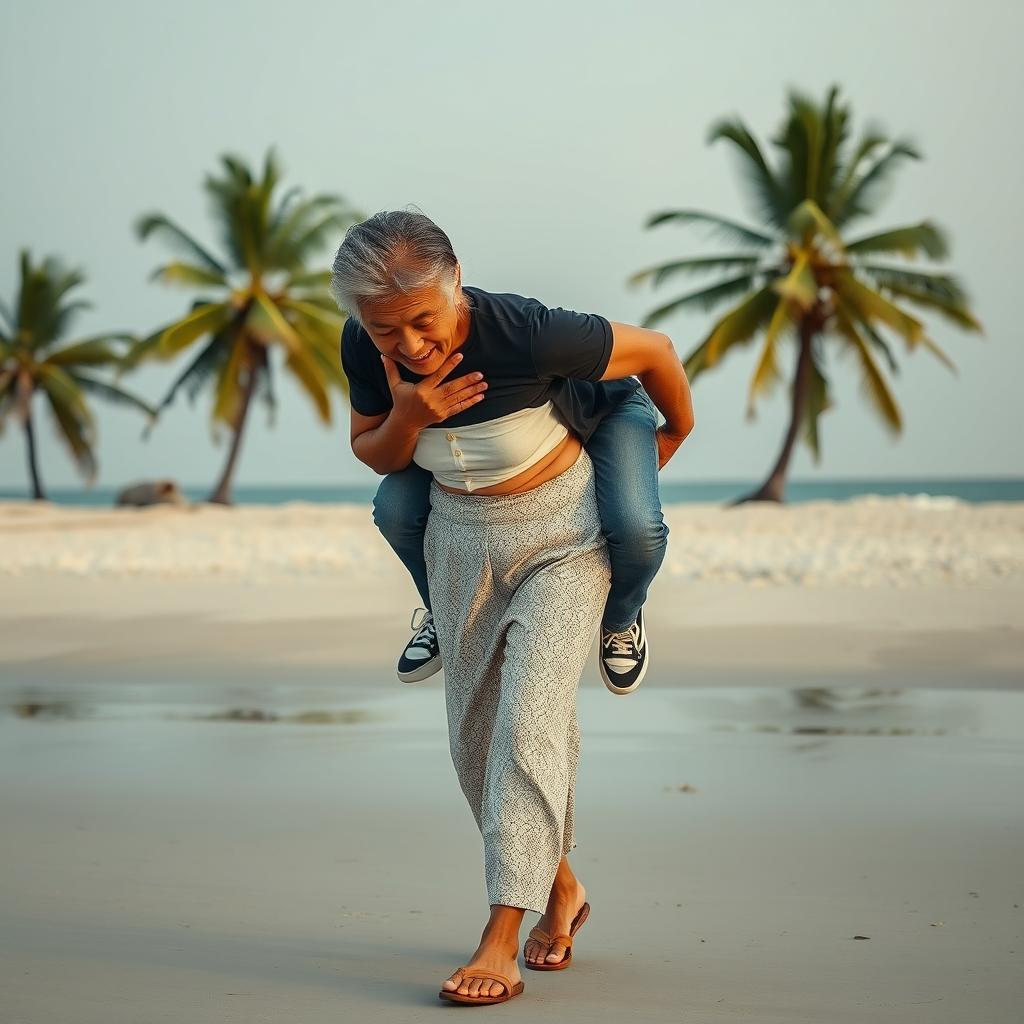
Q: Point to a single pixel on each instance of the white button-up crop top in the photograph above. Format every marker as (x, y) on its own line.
(483, 454)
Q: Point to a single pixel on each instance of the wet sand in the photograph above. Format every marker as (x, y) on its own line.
(161, 865)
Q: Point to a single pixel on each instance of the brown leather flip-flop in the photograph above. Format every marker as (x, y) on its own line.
(558, 940)
(479, 972)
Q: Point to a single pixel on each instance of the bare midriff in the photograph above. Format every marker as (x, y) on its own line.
(558, 460)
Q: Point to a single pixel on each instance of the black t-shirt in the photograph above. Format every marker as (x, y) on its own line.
(527, 352)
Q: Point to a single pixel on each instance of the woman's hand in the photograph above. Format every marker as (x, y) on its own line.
(429, 401)
(668, 445)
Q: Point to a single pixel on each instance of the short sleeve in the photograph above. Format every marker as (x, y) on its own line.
(565, 343)
(364, 387)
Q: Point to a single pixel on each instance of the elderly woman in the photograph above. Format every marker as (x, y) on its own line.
(461, 381)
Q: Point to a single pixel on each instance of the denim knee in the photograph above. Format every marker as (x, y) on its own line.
(640, 540)
(396, 508)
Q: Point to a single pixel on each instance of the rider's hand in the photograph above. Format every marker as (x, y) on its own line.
(668, 445)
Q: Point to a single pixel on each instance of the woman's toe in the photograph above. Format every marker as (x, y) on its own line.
(556, 954)
(452, 983)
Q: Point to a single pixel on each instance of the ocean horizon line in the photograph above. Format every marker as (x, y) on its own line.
(972, 489)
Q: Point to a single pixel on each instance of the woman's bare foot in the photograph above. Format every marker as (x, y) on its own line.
(567, 896)
(498, 949)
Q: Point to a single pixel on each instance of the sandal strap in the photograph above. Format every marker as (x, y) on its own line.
(551, 940)
(481, 972)
(538, 933)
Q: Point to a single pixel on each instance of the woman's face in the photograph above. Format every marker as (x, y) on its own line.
(419, 330)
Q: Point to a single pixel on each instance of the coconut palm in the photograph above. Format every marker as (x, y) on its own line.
(261, 295)
(32, 360)
(797, 277)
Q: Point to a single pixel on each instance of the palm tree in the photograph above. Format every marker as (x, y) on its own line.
(31, 361)
(267, 298)
(796, 277)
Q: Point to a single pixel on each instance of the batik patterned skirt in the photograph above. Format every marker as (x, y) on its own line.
(517, 586)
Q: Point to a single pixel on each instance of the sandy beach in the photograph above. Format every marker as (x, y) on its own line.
(220, 804)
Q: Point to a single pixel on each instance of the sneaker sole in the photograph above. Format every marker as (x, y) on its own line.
(621, 690)
(424, 671)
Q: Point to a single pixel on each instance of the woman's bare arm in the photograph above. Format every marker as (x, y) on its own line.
(651, 356)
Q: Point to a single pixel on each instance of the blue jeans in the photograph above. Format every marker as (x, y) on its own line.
(625, 456)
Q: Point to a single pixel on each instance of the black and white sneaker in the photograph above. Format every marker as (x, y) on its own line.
(624, 656)
(421, 657)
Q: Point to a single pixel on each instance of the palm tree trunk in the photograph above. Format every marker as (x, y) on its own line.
(25, 399)
(774, 487)
(33, 470)
(222, 492)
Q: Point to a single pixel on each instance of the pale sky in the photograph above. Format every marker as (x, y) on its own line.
(540, 136)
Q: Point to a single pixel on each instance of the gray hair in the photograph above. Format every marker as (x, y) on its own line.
(393, 252)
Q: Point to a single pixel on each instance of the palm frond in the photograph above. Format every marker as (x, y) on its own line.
(799, 286)
(769, 197)
(869, 305)
(269, 324)
(800, 141)
(323, 346)
(740, 324)
(331, 320)
(113, 393)
(8, 384)
(229, 393)
(845, 176)
(834, 122)
(704, 298)
(728, 229)
(292, 249)
(209, 361)
(925, 237)
(76, 432)
(63, 317)
(816, 401)
(873, 385)
(696, 265)
(7, 318)
(60, 280)
(237, 208)
(63, 391)
(207, 319)
(265, 393)
(177, 238)
(304, 227)
(188, 274)
(41, 317)
(808, 220)
(321, 300)
(309, 279)
(303, 366)
(864, 191)
(94, 351)
(939, 292)
(766, 372)
(876, 339)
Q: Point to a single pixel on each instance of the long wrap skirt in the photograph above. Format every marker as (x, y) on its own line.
(517, 586)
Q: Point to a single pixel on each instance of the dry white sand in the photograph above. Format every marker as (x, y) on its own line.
(830, 745)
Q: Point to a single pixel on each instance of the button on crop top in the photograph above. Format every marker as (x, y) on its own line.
(483, 454)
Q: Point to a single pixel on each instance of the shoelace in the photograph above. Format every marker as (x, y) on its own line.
(425, 631)
(622, 643)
